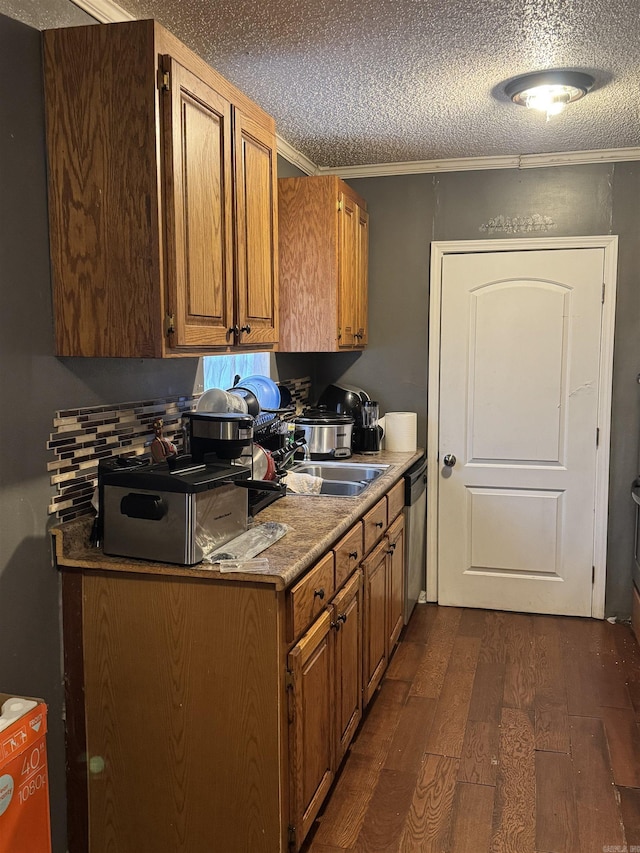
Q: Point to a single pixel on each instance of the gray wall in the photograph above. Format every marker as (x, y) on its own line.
(34, 384)
(407, 212)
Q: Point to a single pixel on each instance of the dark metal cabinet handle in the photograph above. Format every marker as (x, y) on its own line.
(335, 625)
(379, 523)
(236, 330)
(342, 618)
(319, 593)
(353, 555)
(449, 460)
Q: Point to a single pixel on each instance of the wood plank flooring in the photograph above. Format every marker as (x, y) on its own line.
(495, 733)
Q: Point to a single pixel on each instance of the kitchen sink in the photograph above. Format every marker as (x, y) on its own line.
(341, 479)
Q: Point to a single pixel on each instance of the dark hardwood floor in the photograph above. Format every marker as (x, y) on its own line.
(499, 732)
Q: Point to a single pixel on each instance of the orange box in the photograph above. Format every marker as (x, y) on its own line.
(24, 785)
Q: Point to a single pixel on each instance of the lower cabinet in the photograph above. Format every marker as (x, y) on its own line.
(325, 702)
(235, 697)
(383, 605)
(347, 608)
(375, 619)
(395, 581)
(311, 672)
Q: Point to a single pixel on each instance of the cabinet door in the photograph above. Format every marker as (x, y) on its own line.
(395, 582)
(362, 280)
(198, 175)
(347, 617)
(256, 233)
(375, 621)
(348, 275)
(311, 725)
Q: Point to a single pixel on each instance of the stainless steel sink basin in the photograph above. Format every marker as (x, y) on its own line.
(341, 479)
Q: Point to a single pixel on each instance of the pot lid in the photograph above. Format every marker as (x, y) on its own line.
(322, 417)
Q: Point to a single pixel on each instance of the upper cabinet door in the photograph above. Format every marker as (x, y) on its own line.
(198, 184)
(347, 302)
(362, 287)
(256, 233)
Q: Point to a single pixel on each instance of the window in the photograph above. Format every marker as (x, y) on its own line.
(219, 370)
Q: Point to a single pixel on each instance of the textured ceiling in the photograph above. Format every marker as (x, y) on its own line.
(381, 81)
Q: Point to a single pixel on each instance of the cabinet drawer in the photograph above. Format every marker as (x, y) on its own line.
(375, 523)
(395, 500)
(348, 553)
(310, 596)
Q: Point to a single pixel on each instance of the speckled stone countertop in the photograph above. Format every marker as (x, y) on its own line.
(315, 524)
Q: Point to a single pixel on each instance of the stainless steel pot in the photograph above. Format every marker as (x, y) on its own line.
(327, 434)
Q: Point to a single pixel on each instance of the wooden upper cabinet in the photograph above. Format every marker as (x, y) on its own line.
(197, 150)
(162, 198)
(323, 251)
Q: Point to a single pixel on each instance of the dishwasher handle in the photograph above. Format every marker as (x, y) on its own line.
(415, 481)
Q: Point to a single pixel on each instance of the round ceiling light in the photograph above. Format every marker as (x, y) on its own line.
(549, 91)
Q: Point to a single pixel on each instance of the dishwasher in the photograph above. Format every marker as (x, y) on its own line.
(415, 515)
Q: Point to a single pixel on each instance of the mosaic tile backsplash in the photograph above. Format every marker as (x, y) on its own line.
(82, 437)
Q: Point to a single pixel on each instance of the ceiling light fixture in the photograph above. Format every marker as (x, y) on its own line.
(549, 91)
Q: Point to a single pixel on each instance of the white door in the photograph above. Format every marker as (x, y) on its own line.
(519, 374)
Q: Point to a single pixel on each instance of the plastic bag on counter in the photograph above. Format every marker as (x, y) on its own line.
(237, 554)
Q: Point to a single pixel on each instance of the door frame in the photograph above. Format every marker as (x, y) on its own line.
(609, 243)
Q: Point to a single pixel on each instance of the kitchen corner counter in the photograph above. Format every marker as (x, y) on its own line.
(315, 523)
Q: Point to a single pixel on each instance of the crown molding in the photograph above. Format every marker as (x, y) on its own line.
(105, 11)
(575, 158)
(466, 164)
(295, 157)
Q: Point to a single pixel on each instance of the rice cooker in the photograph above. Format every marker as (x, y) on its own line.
(327, 434)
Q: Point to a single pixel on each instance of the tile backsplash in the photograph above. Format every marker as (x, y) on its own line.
(82, 437)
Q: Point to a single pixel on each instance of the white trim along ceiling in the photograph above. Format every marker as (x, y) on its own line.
(106, 11)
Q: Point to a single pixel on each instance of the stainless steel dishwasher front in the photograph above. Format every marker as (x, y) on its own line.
(415, 511)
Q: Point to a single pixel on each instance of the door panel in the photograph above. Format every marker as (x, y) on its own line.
(197, 138)
(536, 515)
(518, 352)
(256, 234)
(520, 348)
(348, 665)
(375, 622)
(349, 225)
(311, 731)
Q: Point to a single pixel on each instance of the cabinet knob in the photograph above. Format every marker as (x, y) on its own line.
(342, 618)
(353, 555)
(379, 523)
(319, 593)
(335, 625)
(234, 330)
(246, 329)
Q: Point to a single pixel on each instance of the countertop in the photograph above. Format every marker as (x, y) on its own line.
(315, 524)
